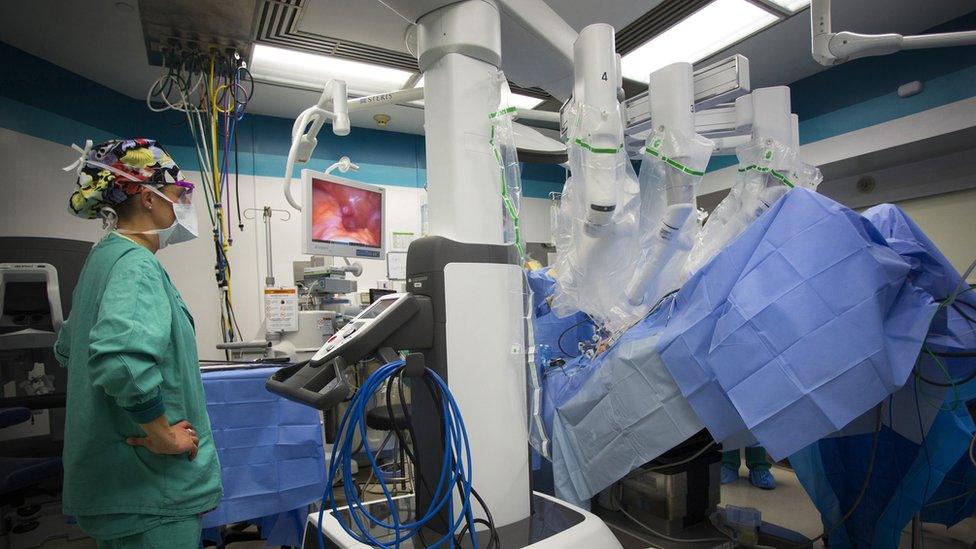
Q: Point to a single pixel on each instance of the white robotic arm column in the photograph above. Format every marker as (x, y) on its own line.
(597, 75)
(672, 96)
(460, 51)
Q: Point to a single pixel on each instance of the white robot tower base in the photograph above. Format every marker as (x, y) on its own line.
(465, 309)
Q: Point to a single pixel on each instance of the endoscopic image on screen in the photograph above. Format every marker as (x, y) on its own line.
(341, 213)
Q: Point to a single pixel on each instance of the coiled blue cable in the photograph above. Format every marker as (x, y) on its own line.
(454, 470)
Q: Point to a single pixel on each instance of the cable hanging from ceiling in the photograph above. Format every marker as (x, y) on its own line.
(212, 91)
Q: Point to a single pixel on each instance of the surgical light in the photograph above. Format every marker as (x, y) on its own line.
(284, 66)
(702, 34)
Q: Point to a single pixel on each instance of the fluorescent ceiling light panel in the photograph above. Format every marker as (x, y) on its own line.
(524, 101)
(792, 6)
(285, 66)
(702, 34)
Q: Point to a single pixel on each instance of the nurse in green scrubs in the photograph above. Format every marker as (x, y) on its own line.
(140, 465)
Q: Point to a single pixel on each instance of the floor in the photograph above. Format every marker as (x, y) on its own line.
(787, 506)
(790, 507)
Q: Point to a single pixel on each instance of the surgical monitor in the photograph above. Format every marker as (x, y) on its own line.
(343, 218)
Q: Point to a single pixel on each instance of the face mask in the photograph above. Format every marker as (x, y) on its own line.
(184, 227)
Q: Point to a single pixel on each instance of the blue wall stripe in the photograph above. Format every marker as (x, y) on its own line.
(845, 98)
(863, 92)
(938, 91)
(29, 120)
(32, 102)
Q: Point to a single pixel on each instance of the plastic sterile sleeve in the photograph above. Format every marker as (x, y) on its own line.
(767, 171)
(672, 167)
(502, 140)
(597, 222)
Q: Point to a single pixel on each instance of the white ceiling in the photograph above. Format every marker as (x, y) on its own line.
(113, 54)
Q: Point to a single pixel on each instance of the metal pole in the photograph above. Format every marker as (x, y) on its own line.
(269, 280)
(266, 213)
(917, 531)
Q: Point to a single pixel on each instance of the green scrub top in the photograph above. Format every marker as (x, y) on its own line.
(130, 350)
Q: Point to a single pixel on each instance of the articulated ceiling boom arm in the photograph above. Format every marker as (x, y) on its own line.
(833, 48)
(537, 17)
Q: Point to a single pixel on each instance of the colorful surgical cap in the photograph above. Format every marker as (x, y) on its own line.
(111, 172)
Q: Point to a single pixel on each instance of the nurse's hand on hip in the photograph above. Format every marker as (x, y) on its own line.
(163, 438)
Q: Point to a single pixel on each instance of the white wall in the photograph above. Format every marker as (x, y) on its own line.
(534, 219)
(36, 195)
(950, 221)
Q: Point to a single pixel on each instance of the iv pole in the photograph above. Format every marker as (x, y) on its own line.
(269, 280)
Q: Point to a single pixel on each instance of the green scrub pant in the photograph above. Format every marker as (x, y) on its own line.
(755, 459)
(178, 533)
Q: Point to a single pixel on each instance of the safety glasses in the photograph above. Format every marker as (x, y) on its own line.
(185, 195)
(186, 192)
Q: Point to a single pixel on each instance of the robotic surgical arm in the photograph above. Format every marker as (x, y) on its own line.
(599, 124)
(678, 155)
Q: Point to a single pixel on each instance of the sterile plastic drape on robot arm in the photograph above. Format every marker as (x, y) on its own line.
(672, 167)
(597, 223)
(502, 114)
(596, 231)
(768, 169)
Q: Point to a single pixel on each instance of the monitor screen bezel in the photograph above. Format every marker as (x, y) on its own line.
(311, 246)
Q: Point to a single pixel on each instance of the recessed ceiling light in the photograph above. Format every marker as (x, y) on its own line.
(792, 6)
(284, 66)
(702, 34)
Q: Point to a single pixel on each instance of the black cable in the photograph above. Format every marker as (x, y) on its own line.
(237, 183)
(953, 498)
(955, 305)
(955, 354)
(233, 317)
(949, 382)
(559, 341)
(250, 81)
(661, 301)
(925, 448)
(494, 541)
(410, 430)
